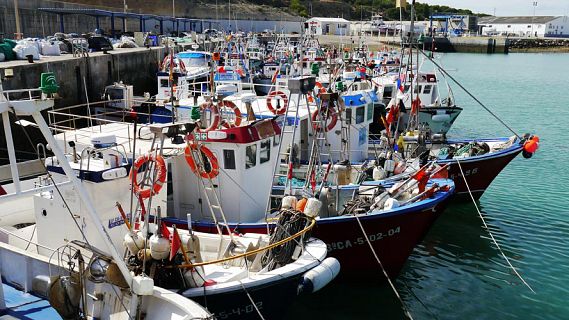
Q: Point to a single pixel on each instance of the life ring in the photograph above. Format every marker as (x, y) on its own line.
(215, 118)
(325, 111)
(160, 165)
(280, 110)
(238, 117)
(214, 164)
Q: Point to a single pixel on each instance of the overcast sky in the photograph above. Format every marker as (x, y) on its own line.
(508, 7)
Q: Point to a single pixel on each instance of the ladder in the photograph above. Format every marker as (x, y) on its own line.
(211, 197)
(320, 149)
(287, 156)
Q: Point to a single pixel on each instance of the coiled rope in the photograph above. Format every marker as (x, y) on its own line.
(489, 232)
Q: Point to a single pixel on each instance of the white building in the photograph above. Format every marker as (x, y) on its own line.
(538, 26)
(333, 26)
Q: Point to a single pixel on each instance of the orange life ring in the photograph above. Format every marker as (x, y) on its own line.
(214, 164)
(215, 118)
(331, 114)
(238, 117)
(280, 110)
(160, 175)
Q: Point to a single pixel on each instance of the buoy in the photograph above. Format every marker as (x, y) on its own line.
(532, 144)
(289, 202)
(134, 242)
(378, 173)
(159, 247)
(195, 277)
(320, 276)
(300, 205)
(312, 208)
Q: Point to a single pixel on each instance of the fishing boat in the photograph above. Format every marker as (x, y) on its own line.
(261, 156)
(83, 275)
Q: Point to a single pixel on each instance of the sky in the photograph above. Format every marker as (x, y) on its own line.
(508, 7)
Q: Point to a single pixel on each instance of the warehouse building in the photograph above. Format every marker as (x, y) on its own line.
(538, 26)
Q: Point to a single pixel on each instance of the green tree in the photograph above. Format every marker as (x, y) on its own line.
(297, 7)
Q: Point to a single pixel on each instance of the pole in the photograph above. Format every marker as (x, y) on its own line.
(533, 17)
(17, 15)
(229, 15)
(173, 9)
(123, 19)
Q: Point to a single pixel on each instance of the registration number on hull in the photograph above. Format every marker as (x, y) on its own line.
(346, 244)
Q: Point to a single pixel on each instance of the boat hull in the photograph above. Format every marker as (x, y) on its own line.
(479, 172)
(272, 299)
(393, 235)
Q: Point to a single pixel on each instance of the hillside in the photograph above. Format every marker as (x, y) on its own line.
(271, 9)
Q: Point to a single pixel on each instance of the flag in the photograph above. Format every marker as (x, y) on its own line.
(392, 114)
(274, 79)
(422, 178)
(176, 243)
(164, 230)
(415, 105)
(400, 85)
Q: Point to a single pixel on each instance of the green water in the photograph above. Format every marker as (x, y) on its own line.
(456, 272)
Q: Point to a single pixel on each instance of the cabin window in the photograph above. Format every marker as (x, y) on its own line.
(360, 115)
(250, 156)
(406, 88)
(164, 83)
(370, 113)
(265, 152)
(276, 140)
(229, 159)
(427, 89)
(387, 92)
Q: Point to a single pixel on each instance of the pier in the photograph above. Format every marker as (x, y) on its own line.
(136, 66)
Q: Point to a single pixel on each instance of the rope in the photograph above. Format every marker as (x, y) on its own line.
(405, 310)
(252, 252)
(252, 301)
(490, 233)
(470, 94)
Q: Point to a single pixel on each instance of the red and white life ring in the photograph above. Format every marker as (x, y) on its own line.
(160, 166)
(281, 109)
(226, 123)
(214, 164)
(215, 117)
(328, 114)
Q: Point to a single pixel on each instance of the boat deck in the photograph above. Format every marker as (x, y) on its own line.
(20, 305)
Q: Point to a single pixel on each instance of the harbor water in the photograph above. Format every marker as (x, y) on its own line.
(457, 272)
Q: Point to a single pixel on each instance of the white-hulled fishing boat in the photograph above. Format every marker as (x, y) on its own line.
(224, 271)
(80, 276)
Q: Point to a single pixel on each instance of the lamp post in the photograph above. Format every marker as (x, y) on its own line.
(533, 17)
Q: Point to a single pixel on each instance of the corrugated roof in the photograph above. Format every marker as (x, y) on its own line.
(517, 20)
